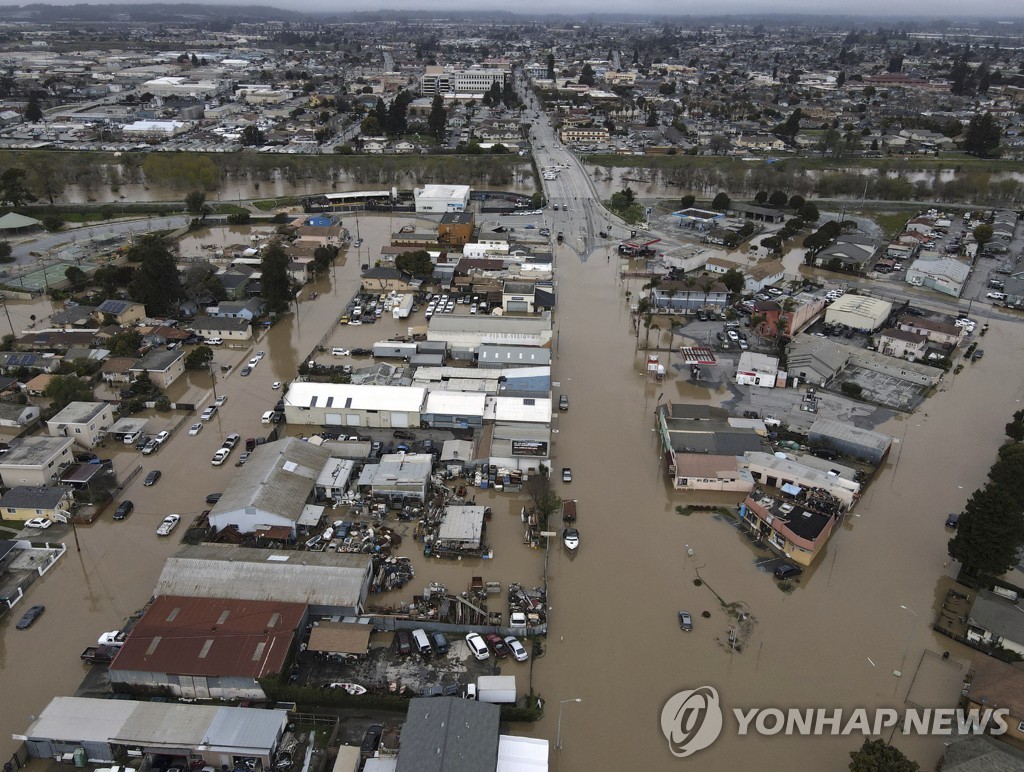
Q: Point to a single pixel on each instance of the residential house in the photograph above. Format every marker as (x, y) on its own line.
(18, 416)
(996, 621)
(74, 316)
(85, 422)
(36, 386)
(236, 329)
(240, 309)
(997, 685)
(11, 362)
(24, 502)
(938, 332)
(381, 280)
(764, 274)
(235, 281)
(117, 369)
(124, 312)
(35, 460)
(847, 252)
(163, 366)
(902, 343)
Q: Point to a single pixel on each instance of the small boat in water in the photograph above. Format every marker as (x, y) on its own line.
(571, 539)
(348, 688)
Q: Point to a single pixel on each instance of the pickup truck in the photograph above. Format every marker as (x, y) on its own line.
(94, 654)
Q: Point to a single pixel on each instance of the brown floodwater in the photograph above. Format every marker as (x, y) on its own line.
(615, 641)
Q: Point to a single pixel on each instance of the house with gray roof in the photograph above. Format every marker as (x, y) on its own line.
(237, 309)
(816, 360)
(23, 502)
(85, 422)
(164, 367)
(996, 621)
(272, 487)
(35, 460)
(236, 328)
(15, 415)
(448, 734)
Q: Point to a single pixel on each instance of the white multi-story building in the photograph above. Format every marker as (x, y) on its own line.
(474, 81)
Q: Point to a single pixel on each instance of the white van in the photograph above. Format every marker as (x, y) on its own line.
(422, 643)
(267, 416)
(129, 439)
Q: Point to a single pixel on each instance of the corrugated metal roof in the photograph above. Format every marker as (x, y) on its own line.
(408, 399)
(462, 524)
(85, 718)
(456, 403)
(225, 571)
(211, 637)
(167, 725)
(277, 478)
(245, 731)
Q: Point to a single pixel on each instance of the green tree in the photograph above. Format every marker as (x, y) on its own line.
(156, 283)
(195, 203)
(983, 234)
(551, 66)
(33, 112)
(6, 252)
(275, 280)
(687, 201)
(879, 756)
(239, 218)
(982, 136)
(62, 390)
(796, 201)
(252, 136)
(52, 222)
(418, 263)
(721, 202)
(808, 212)
(125, 344)
(438, 117)
(777, 199)
(324, 256)
(199, 358)
(76, 277)
(733, 280)
(761, 197)
(587, 75)
(13, 187)
(990, 531)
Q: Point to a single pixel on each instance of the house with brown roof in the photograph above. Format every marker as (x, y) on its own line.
(942, 333)
(997, 684)
(207, 648)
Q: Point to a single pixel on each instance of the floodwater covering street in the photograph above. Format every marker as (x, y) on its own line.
(863, 611)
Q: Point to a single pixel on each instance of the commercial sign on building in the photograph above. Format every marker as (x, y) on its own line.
(529, 448)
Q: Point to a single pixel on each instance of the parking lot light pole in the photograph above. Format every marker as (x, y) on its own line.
(558, 736)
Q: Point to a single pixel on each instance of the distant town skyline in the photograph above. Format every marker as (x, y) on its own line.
(914, 10)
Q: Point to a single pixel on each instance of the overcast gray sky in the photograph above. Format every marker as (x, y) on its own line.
(898, 9)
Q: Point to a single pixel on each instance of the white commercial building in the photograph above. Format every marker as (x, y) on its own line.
(441, 198)
(757, 370)
(472, 81)
(859, 312)
(347, 404)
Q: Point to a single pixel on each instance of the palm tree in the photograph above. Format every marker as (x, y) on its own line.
(652, 285)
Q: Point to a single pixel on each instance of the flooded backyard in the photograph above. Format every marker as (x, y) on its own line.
(864, 610)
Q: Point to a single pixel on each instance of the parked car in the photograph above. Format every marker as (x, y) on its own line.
(29, 617)
(402, 434)
(371, 739)
(517, 649)
(477, 646)
(685, 621)
(123, 509)
(787, 571)
(220, 456)
(209, 413)
(213, 498)
(254, 361)
(953, 521)
(231, 440)
(275, 385)
(41, 523)
(563, 402)
(439, 642)
(242, 459)
(194, 429)
(167, 525)
(566, 474)
(246, 370)
(162, 437)
(403, 642)
(151, 478)
(219, 402)
(497, 645)
(151, 447)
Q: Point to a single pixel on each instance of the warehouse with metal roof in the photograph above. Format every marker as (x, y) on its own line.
(107, 729)
(330, 583)
(348, 404)
(272, 487)
(202, 648)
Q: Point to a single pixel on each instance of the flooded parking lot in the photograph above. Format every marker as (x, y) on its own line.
(834, 640)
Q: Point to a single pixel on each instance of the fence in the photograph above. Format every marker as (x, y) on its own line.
(390, 624)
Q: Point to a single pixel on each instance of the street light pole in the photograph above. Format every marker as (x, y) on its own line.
(558, 737)
(906, 649)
